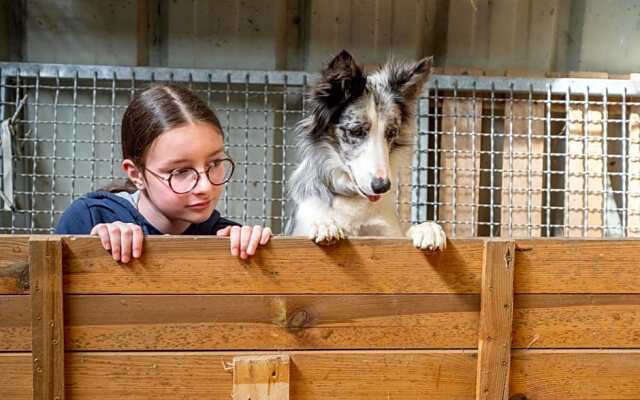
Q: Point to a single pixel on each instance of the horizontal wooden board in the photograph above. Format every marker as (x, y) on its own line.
(565, 374)
(212, 322)
(287, 265)
(15, 323)
(353, 375)
(576, 321)
(14, 258)
(15, 376)
(577, 266)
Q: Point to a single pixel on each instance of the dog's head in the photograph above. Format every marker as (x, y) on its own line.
(365, 118)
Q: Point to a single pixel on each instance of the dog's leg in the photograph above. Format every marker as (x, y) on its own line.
(428, 236)
(315, 219)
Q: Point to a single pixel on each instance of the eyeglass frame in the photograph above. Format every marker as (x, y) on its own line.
(199, 173)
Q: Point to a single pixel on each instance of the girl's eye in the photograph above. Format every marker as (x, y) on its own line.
(182, 172)
(392, 132)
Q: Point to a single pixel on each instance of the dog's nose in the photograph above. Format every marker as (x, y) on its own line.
(380, 185)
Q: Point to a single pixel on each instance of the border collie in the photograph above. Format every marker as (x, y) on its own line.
(359, 131)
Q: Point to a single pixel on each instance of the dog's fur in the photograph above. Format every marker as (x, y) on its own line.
(360, 129)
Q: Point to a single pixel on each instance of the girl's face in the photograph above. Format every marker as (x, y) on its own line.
(195, 146)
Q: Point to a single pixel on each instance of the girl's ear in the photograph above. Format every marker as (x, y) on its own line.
(133, 173)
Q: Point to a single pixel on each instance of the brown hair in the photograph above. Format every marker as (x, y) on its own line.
(153, 111)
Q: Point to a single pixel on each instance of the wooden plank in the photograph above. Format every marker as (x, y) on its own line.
(261, 377)
(356, 375)
(522, 170)
(45, 258)
(14, 266)
(286, 265)
(576, 321)
(577, 266)
(537, 374)
(15, 323)
(218, 322)
(460, 162)
(137, 322)
(496, 316)
(633, 169)
(292, 265)
(584, 196)
(15, 376)
(571, 374)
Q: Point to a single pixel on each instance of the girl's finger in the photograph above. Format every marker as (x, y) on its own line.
(234, 241)
(126, 242)
(266, 235)
(256, 233)
(138, 238)
(245, 236)
(114, 239)
(103, 234)
(224, 231)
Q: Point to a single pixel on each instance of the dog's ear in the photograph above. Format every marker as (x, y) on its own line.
(408, 79)
(342, 81)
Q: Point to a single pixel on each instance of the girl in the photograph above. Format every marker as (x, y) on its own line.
(173, 151)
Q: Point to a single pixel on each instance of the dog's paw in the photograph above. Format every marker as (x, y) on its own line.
(326, 233)
(428, 236)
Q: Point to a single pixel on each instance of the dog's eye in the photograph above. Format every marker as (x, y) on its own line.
(391, 132)
(358, 131)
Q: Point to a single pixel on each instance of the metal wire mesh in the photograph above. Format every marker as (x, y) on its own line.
(509, 157)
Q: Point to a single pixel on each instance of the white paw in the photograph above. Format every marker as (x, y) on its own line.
(326, 233)
(428, 236)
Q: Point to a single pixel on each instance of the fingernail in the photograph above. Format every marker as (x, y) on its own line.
(234, 252)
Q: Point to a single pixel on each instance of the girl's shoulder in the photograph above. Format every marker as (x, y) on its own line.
(96, 208)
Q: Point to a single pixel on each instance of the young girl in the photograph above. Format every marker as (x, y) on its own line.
(173, 151)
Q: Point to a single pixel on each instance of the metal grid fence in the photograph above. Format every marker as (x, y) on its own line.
(517, 157)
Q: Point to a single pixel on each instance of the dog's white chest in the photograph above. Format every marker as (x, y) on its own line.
(362, 217)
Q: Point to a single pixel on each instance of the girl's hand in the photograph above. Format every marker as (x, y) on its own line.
(122, 239)
(245, 240)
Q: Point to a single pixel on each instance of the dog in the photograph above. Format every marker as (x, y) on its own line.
(359, 130)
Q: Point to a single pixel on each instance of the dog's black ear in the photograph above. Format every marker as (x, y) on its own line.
(342, 81)
(408, 79)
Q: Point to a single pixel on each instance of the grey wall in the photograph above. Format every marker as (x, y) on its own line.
(552, 35)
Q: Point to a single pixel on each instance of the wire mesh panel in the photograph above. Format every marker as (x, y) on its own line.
(65, 139)
(497, 156)
(520, 157)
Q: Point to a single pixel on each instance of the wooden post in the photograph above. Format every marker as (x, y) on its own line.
(496, 317)
(45, 259)
(460, 165)
(633, 170)
(522, 158)
(585, 163)
(261, 377)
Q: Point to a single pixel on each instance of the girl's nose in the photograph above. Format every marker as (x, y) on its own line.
(203, 184)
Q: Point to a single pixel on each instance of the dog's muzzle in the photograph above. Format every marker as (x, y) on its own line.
(380, 185)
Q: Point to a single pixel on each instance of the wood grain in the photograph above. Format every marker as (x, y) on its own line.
(496, 316)
(14, 264)
(261, 377)
(287, 265)
(352, 375)
(47, 322)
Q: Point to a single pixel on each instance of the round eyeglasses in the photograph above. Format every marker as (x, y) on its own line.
(184, 180)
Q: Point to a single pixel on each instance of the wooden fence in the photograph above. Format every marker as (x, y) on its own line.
(366, 319)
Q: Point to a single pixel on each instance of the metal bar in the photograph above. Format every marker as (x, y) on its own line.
(463, 82)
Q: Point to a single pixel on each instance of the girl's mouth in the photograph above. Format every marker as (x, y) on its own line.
(200, 206)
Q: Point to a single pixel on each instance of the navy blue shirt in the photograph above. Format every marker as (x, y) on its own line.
(105, 207)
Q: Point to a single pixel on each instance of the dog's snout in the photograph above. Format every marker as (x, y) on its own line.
(380, 185)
